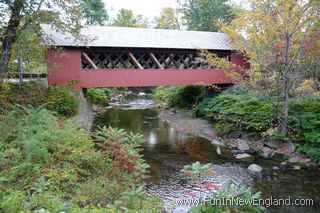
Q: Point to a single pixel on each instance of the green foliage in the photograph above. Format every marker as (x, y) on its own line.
(204, 15)
(24, 94)
(50, 165)
(231, 112)
(180, 96)
(139, 201)
(230, 192)
(12, 203)
(196, 170)
(62, 99)
(95, 12)
(235, 111)
(310, 151)
(168, 19)
(98, 96)
(305, 120)
(123, 148)
(20, 32)
(305, 125)
(59, 99)
(126, 18)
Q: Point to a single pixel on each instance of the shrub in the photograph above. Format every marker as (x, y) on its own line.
(123, 148)
(62, 99)
(98, 96)
(232, 112)
(242, 112)
(230, 192)
(180, 96)
(50, 164)
(305, 125)
(305, 120)
(25, 94)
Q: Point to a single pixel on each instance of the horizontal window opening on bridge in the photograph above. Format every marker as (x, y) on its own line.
(144, 59)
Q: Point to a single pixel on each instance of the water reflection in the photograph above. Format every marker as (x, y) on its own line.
(168, 150)
(151, 141)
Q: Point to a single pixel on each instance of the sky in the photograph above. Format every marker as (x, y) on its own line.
(147, 8)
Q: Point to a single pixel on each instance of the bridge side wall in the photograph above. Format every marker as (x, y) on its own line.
(66, 67)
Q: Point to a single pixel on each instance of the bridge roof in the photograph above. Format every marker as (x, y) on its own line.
(126, 37)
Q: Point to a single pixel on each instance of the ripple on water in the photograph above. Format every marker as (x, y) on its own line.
(178, 186)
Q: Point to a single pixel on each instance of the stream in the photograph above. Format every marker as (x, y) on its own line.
(167, 150)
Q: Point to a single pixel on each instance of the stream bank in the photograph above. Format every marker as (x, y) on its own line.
(171, 145)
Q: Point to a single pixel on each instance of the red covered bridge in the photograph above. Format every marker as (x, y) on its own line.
(134, 57)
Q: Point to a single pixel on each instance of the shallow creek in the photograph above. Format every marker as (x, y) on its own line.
(167, 150)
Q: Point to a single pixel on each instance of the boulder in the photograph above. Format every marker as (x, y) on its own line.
(142, 94)
(235, 151)
(232, 143)
(243, 156)
(272, 143)
(218, 150)
(254, 169)
(243, 145)
(275, 168)
(218, 142)
(287, 148)
(298, 161)
(265, 152)
(278, 156)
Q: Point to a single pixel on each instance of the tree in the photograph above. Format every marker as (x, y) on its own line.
(126, 18)
(168, 19)
(94, 12)
(204, 15)
(21, 25)
(281, 40)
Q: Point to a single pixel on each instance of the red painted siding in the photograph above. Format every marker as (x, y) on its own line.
(67, 67)
(150, 77)
(64, 66)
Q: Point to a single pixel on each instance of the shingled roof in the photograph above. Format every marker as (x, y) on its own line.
(106, 36)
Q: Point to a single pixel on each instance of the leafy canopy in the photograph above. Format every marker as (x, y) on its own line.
(168, 19)
(126, 18)
(204, 15)
(95, 12)
(280, 40)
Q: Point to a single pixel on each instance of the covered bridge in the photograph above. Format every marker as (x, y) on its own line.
(131, 57)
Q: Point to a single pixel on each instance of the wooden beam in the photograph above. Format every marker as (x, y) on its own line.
(186, 61)
(155, 60)
(168, 60)
(135, 61)
(89, 60)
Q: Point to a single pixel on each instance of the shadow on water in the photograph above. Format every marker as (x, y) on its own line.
(167, 151)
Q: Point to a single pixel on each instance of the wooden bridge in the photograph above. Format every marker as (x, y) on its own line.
(134, 57)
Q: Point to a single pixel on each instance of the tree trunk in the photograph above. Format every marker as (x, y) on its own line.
(284, 125)
(286, 76)
(10, 35)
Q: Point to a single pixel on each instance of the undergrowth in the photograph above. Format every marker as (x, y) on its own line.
(180, 96)
(241, 113)
(51, 165)
(60, 99)
(98, 96)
